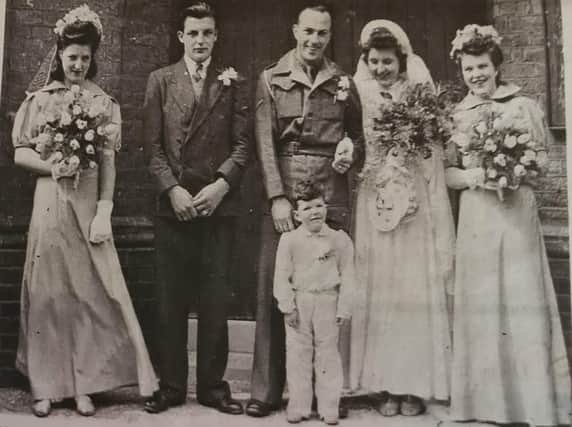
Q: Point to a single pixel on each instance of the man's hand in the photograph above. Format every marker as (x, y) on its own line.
(282, 215)
(292, 319)
(344, 156)
(182, 203)
(208, 199)
(342, 321)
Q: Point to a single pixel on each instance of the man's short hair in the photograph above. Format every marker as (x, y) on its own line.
(307, 190)
(318, 6)
(198, 10)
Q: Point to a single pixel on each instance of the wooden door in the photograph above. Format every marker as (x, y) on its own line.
(255, 33)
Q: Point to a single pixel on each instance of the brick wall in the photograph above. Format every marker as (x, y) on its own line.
(527, 39)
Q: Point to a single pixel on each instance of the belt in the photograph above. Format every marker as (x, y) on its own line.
(292, 148)
(327, 291)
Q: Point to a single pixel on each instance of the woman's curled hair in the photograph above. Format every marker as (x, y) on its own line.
(81, 33)
(381, 39)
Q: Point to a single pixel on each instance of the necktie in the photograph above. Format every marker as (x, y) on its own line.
(197, 75)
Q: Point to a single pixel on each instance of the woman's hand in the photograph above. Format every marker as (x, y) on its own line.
(100, 228)
(63, 168)
(459, 179)
(474, 177)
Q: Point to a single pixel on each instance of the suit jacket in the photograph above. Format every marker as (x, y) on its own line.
(191, 142)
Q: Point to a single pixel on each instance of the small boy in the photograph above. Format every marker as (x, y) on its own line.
(313, 284)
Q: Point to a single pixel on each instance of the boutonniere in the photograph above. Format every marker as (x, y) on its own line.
(323, 251)
(343, 89)
(227, 76)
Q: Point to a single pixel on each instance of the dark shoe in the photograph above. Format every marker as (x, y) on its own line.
(343, 411)
(412, 406)
(389, 405)
(226, 405)
(257, 408)
(163, 400)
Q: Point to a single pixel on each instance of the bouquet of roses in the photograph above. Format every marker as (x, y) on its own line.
(413, 124)
(71, 130)
(502, 144)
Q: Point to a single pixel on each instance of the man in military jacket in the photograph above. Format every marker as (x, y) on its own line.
(305, 105)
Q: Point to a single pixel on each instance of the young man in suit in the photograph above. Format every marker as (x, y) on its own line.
(197, 134)
(306, 109)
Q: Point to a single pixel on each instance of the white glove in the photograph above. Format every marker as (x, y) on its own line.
(460, 179)
(100, 228)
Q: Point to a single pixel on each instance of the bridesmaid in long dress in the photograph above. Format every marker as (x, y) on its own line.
(510, 361)
(400, 335)
(78, 330)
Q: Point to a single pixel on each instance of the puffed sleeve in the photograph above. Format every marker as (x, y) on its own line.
(25, 123)
(113, 124)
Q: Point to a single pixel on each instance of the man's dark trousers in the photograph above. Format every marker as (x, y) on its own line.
(193, 260)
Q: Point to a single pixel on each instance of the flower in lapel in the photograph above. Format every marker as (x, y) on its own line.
(343, 89)
(227, 76)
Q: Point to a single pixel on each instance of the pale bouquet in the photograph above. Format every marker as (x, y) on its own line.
(72, 129)
(503, 145)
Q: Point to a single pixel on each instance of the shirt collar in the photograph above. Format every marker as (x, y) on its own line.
(503, 91)
(86, 85)
(326, 230)
(192, 65)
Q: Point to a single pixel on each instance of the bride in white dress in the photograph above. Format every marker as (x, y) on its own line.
(404, 236)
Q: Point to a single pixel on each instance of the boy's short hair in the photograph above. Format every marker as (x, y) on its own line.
(308, 190)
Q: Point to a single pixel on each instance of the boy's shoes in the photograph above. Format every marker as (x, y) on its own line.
(331, 420)
(295, 418)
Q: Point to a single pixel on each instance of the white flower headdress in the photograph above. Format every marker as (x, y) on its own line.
(80, 14)
(472, 32)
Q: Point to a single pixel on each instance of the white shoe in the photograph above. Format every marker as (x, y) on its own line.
(84, 405)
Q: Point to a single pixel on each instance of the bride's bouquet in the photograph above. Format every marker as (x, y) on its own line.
(71, 129)
(411, 126)
(503, 145)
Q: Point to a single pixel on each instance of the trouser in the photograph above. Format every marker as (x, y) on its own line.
(193, 260)
(313, 348)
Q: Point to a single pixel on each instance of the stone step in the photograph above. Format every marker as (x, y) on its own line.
(241, 347)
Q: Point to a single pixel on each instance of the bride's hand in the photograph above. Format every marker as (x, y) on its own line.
(475, 177)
